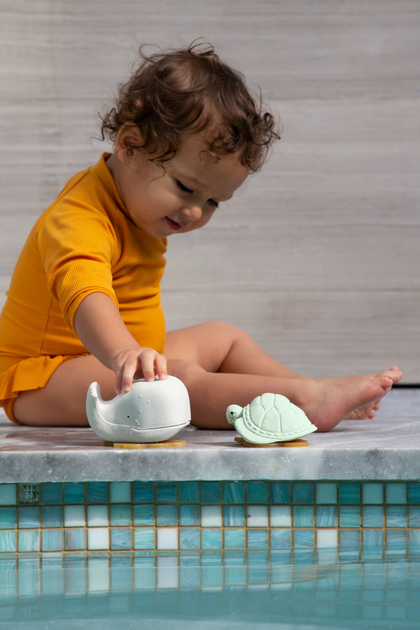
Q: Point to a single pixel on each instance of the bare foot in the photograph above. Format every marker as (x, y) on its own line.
(368, 411)
(328, 401)
(364, 413)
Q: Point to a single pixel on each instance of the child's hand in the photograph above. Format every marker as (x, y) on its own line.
(126, 363)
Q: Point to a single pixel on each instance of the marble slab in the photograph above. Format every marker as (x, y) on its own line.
(387, 447)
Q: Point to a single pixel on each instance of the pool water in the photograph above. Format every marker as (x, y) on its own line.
(209, 590)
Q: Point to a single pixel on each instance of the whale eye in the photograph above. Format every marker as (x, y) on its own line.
(128, 416)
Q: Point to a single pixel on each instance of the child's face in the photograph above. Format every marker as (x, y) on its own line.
(181, 198)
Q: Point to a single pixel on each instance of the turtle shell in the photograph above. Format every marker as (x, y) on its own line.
(273, 417)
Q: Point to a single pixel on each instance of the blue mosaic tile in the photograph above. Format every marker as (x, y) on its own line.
(280, 492)
(166, 515)
(166, 492)
(189, 515)
(74, 539)
(97, 516)
(373, 538)
(212, 573)
(97, 492)
(280, 539)
(120, 538)
(396, 493)
(349, 492)
(303, 538)
(144, 538)
(257, 515)
(211, 539)
(257, 492)
(373, 493)
(74, 516)
(257, 538)
(7, 540)
(414, 516)
(144, 515)
(234, 492)
(414, 493)
(121, 574)
(373, 516)
(396, 538)
(7, 517)
(414, 540)
(120, 492)
(144, 571)
(52, 493)
(234, 539)
(189, 492)
(28, 540)
(349, 516)
(257, 575)
(7, 494)
(28, 578)
(52, 516)
(189, 538)
(234, 515)
(74, 493)
(120, 515)
(211, 492)
(29, 517)
(52, 540)
(326, 516)
(189, 573)
(143, 491)
(235, 576)
(326, 493)
(396, 516)
(98, 538)
(303, 516)
(303, 493)
(349, 538)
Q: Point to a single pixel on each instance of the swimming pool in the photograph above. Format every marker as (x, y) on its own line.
(219, 590)
(213, 535)
(303, 554)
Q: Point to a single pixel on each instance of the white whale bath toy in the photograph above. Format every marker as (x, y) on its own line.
(151, 411)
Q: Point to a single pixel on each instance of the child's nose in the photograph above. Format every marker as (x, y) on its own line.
(193, 212)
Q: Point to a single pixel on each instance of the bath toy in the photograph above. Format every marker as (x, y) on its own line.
(268, 419)
(151, 411)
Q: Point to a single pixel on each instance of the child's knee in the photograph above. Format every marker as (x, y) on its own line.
(184, 370)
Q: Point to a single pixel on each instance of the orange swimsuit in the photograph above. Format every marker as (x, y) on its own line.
(83, 243)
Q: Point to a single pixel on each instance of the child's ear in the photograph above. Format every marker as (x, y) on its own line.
(128, 138)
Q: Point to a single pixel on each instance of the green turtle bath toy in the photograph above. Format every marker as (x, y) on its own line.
(269, 418)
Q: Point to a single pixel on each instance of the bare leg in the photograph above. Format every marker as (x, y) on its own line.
(221, 347)
(325, 402)
(62, 402)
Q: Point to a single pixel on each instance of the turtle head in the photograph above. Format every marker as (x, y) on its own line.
(233, 412)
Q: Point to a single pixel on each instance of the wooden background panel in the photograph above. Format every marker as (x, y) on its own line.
(317, 255)
(318, 334)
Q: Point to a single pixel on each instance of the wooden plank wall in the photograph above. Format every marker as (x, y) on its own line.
(318, 256)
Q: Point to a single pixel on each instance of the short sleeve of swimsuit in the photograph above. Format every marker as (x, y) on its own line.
(77, 247)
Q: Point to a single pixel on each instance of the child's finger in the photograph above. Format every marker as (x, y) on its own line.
(118, 381)
(129, 369)
(161, 364)
(147, 358)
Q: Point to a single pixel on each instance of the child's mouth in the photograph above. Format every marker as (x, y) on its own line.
(172, 224)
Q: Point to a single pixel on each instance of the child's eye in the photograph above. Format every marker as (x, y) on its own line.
(182, 187)
(214, 203)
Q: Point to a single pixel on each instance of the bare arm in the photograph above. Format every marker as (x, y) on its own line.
(102, 331)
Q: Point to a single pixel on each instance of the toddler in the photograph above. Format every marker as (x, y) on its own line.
(84, 300)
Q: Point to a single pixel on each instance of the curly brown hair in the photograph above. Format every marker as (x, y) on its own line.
(191, 90)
